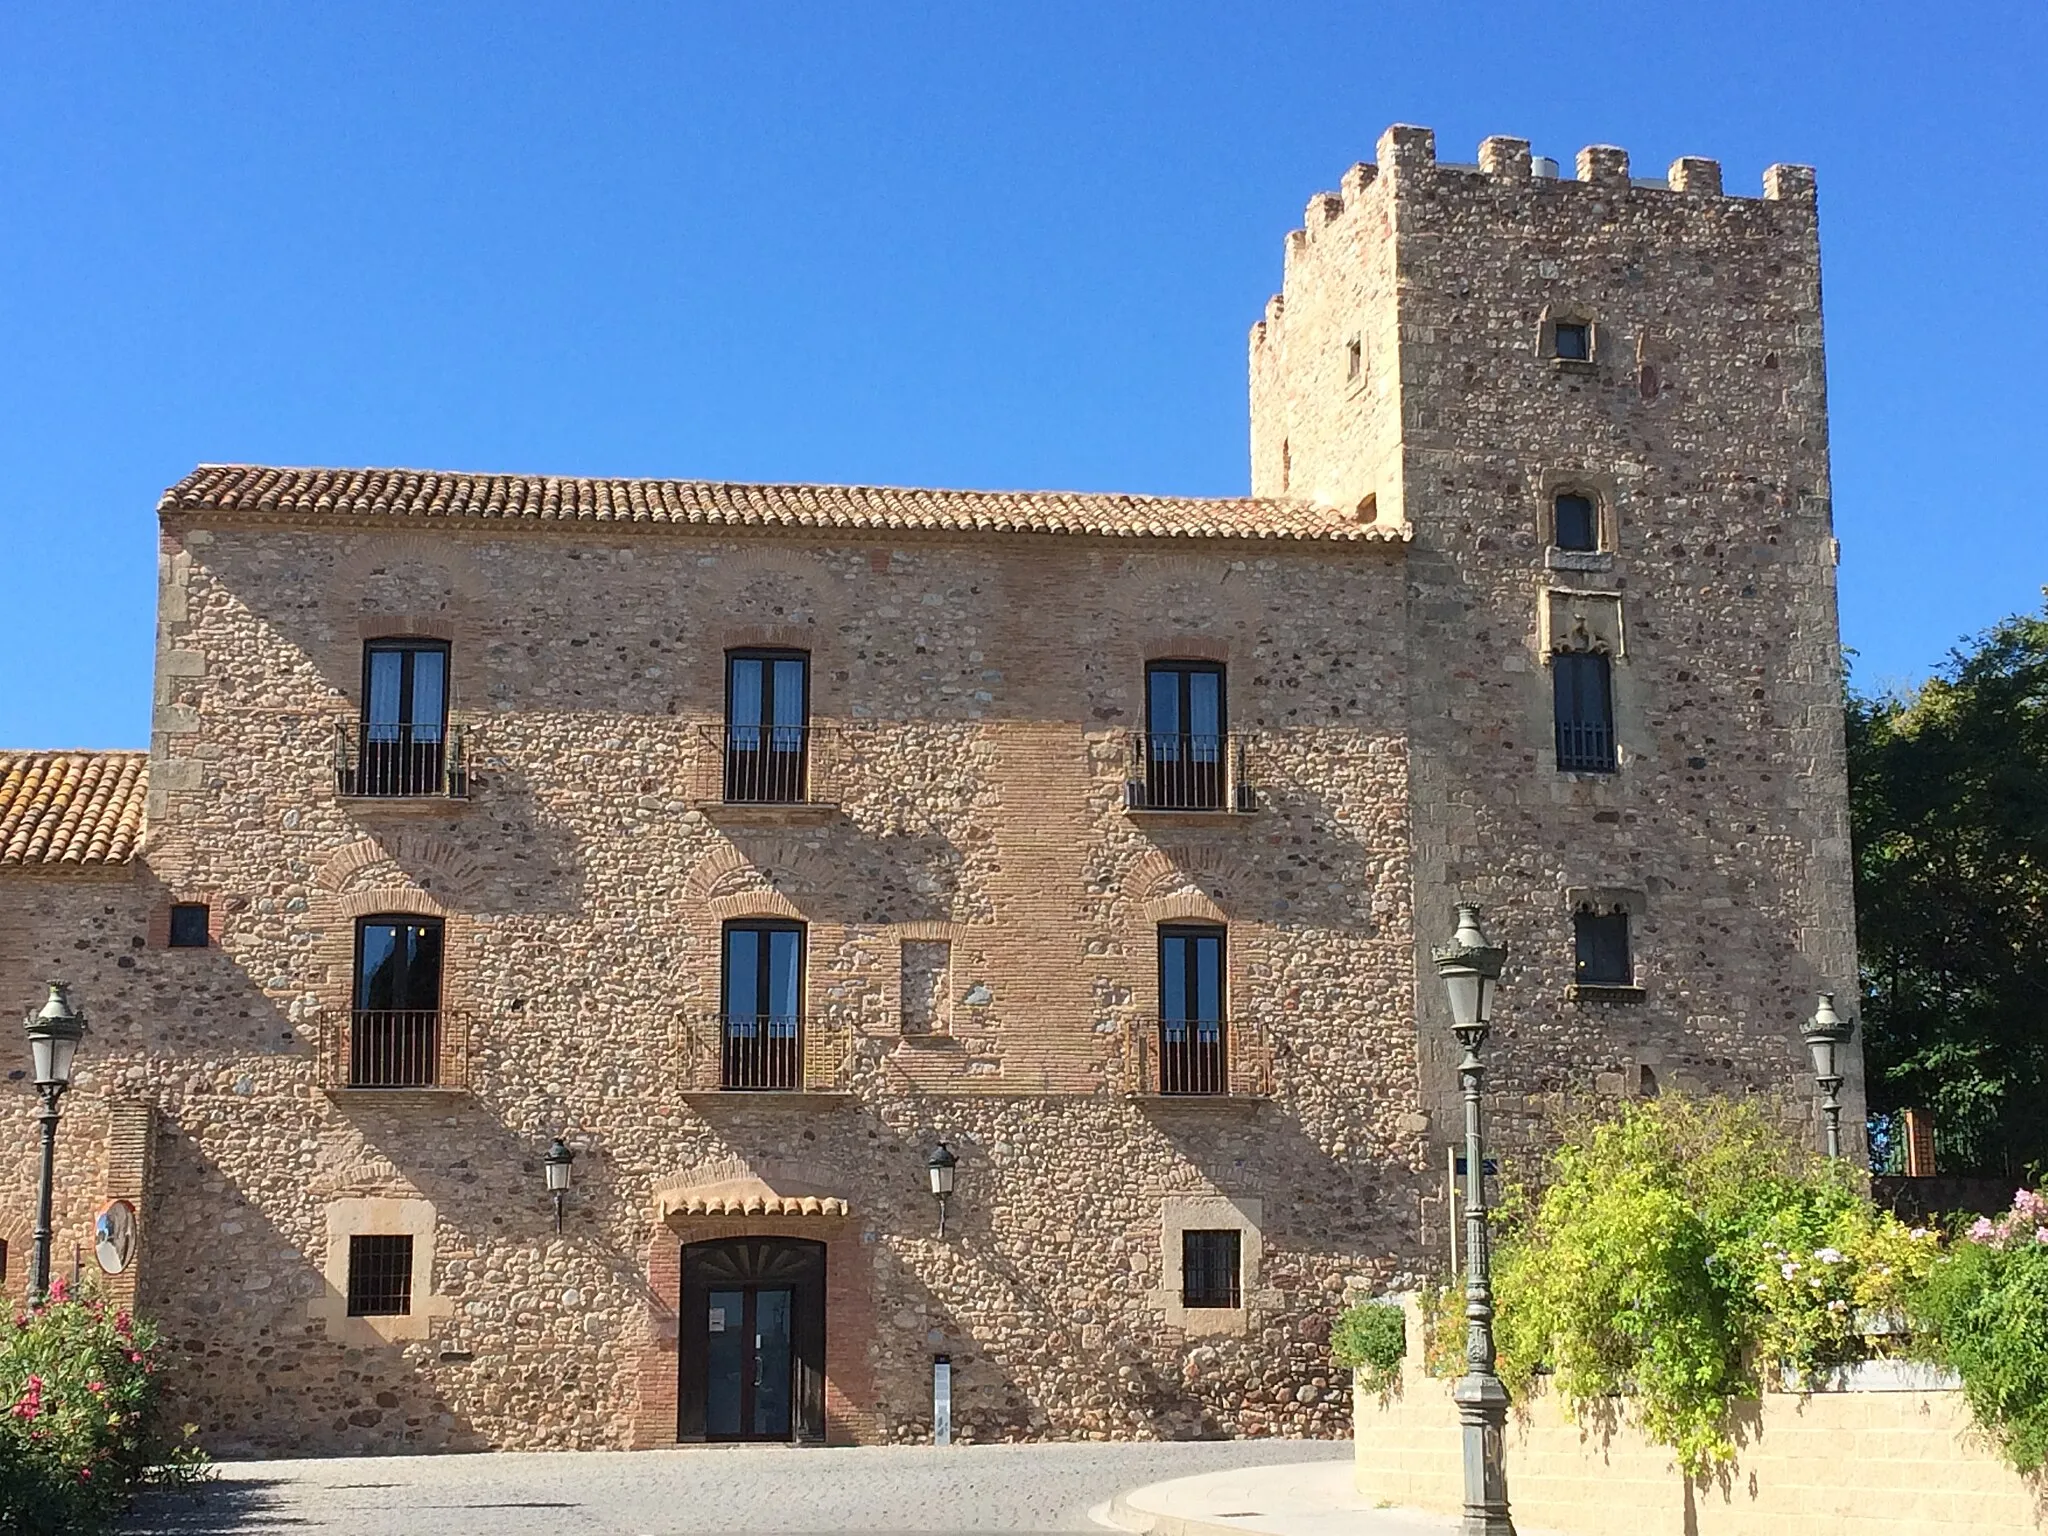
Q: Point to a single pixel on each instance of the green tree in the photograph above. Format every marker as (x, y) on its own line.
(1948, 794)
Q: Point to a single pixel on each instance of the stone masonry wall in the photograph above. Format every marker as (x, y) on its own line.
(972, 700)
(1699, 428)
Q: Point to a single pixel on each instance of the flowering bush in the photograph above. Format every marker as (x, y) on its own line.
(79, 1417)
(1844, 1299)
(1985, 1304)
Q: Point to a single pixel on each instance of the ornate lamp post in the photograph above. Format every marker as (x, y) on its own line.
(1470, 968)
(53, 1036)
(940, 1166)
(555, 1163)
(1827, 1032)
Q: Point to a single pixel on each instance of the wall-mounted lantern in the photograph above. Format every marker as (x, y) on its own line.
(940, 1166)
(556, 1162)
(1827, 1036)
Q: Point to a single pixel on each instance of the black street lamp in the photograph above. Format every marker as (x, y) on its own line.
(53, 1036)
(940, 1166)
(555, 1163)
(1827, 1034)
(1470, 968)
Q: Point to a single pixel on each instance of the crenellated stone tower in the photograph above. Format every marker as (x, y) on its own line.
(1454, 348)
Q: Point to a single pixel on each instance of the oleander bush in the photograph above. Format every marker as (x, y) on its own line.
(81, 1418)
(1681, 1249)
(1373, 1340)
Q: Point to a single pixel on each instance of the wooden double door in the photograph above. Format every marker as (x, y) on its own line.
(752, 1340)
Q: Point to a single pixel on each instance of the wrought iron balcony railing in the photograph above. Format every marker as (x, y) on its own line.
(1188, 771)
(1187, 1058)
(774, 1053)
(375, 762)
(396, 1048)
(1585, 747)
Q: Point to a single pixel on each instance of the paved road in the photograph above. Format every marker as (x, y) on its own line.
(663, 1493)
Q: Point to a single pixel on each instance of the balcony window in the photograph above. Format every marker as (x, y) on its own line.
(767, 726)
(402, 747)
(1582, 687)
(395, 1030)
(761, 1006)
(1185, 746)
(1192, 1049)
(1211, 1268)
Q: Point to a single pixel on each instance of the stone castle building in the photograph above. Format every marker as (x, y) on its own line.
(755, 840)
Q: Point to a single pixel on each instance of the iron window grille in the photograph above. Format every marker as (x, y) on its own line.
(379, 1276)
(190, 925)
(1583, 690)
(767, 727)
(761, 1009)
(1600, 946)
(1576, 522)
(395, 1024)
(1210, 1263)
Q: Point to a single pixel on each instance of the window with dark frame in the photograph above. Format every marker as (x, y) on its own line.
(379, 1276)
(3, 1261)
(1576, 522)
(190, 925)
(1186, 738)
(403, 746)
(1572, 341)
(1193, 1050)
(767, 726)
(1582, 685)
(1354, 360)
(394, 1033)
(761, 1008)
(1600, 945)
(1209, 1268)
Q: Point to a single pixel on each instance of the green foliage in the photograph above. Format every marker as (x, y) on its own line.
(80, 1418)
(1373, 1340)
(1678, 1248)
(1443, 1329)
(1986, 1305)
(1950, 831)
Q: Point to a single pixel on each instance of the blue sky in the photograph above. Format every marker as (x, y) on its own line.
(934, 244)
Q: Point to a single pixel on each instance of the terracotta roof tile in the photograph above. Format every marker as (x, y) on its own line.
(71, 808)
(255, 491)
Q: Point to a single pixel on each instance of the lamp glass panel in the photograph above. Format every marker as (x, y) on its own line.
(558, 1175)
(1465, 990)
(1823, 1056)
(942, 1181)
(44, 1049)
(1486, 986)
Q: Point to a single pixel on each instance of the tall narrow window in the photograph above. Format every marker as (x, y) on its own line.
(1211, 1264)
(1582, 684)
(396, 1023)
(379, 1276)
(1600, 944)
(927, 982)
(1185, 745)
(762, 1005)
(1192, 1047)
(1577, 522)
(405, 719)
(767, 725)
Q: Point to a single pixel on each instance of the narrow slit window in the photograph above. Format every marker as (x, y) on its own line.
(1577, 522)
(379, 1276)
(1211, 1264)
(1354, 360)
(1600, 942)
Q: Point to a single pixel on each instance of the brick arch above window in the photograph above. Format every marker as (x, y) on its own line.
(740, 905)
(1184, 907)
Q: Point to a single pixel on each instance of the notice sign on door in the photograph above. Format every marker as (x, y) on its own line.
(718, 1319)
(942, 1400)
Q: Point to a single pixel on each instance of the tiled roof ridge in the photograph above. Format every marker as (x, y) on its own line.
(71, 809)
(270, 491)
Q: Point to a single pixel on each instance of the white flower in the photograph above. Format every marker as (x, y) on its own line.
(1788, 1270)
(1828, 1255)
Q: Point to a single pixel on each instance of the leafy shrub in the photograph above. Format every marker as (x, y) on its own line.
(1373, 1340)
(1986, 1304)
(1680, 1248)
(1443, 1330)
(80, 1418)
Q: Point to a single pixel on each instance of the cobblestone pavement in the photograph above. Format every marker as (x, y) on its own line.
(662, 1493)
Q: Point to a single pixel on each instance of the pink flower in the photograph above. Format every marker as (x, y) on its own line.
(134, 1358)
(60, 1289)
(1981, 1230)
(95, 1386)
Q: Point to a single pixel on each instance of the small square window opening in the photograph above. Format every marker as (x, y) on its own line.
(1578, 522)
(1600, 942)
(1210, 1267)
(1572, 340)
(189, 925)
(379, 1276)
